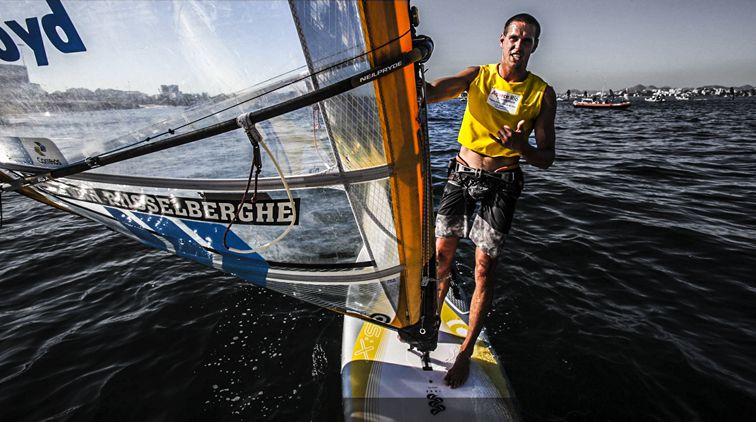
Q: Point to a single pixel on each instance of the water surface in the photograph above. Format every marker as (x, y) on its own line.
(626, 293)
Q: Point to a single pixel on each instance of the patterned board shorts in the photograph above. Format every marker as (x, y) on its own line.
(497, 199)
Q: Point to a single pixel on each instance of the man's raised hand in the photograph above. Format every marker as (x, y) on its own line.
(512, 139)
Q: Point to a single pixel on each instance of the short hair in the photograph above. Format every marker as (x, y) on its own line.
(526, 19)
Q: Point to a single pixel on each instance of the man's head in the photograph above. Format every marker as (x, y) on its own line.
(519, 40)
(527, 19)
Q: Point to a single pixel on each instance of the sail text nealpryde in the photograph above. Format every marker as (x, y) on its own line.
(265, 211)
(381, 72)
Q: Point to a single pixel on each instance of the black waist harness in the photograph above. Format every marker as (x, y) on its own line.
(507, 176)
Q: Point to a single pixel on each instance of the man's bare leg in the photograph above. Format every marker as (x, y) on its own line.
(479, 307)
(446, 247)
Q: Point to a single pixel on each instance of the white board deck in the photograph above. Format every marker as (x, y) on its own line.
(383, 381)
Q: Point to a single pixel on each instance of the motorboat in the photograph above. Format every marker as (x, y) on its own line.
(602, 103)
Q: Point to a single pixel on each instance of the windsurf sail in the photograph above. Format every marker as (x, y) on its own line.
(146, 116)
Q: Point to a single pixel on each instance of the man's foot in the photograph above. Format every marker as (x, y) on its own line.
(457, 374)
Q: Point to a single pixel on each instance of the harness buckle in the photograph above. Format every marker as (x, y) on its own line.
(508, 176)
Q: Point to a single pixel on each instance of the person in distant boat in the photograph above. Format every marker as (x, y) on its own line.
(505, 102)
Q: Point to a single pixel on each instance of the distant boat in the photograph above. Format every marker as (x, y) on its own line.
(463, 96)
(656, 99)
(603, 103)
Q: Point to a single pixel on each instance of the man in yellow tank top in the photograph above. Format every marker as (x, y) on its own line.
(505, 102)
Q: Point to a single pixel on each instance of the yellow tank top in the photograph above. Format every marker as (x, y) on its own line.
(492, 103)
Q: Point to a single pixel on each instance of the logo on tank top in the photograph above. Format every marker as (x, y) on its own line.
(504, 101)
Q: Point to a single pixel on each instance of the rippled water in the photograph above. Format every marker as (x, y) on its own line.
(627, 294)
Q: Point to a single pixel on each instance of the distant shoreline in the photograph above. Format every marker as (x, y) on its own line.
(716, 90)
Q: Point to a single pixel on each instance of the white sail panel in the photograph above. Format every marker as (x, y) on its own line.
(113, 76)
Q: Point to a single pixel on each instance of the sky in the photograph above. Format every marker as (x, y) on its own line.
(594, 44)
(213, 47)
(228, 46)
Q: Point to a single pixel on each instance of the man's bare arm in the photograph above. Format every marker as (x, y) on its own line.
(443, 89)
(545, 134)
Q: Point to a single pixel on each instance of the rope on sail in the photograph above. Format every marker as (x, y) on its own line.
(256, 139)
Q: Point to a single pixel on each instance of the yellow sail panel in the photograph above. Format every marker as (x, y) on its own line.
(398, 109)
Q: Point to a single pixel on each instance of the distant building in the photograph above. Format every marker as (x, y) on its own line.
(17, 92)
(11, 75)
(170, 91)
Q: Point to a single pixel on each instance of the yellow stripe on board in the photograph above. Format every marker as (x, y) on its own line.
(365, 354)
(482, 354)
(368, 342)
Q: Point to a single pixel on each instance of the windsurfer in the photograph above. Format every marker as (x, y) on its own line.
(505, 103)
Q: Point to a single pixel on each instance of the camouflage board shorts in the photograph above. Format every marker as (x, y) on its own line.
(497, 195)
